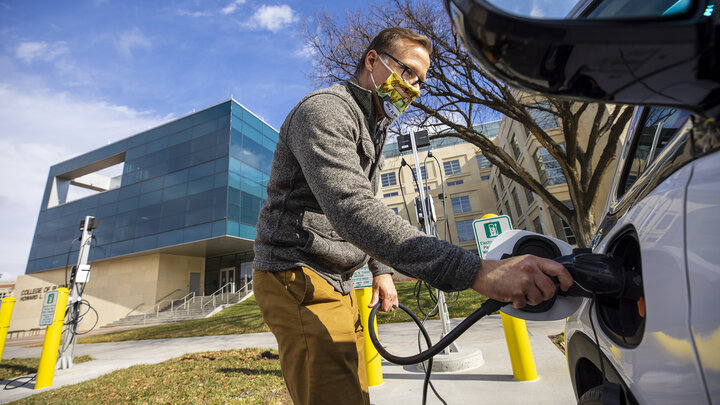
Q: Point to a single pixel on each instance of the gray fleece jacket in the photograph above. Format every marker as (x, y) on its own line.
(321, 211)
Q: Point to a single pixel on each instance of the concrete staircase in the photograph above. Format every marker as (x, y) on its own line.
(186, 308)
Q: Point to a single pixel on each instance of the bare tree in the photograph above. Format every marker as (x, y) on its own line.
(458, 95)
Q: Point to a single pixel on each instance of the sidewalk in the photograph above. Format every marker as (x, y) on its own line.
(490, 383)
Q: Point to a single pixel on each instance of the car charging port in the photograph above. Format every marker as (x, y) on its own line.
(622, 317)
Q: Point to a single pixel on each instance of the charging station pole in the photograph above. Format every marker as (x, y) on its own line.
(425, 204)
(79, 276)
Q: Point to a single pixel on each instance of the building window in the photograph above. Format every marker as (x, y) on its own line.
(388, 179)
(454, 183)
(502, 183)
(423, 172)
(529, 196)
(537, 225)
(393, 194)
(544, 119)
(515, 147)
(451, 167)
(516, 201)
(483, 162)
(396, 210)
(465, 230)
(461, 204)
(562, 229)
(484, 178)
(569, 235)
(497, 196)
(507, 208)
(548, 168)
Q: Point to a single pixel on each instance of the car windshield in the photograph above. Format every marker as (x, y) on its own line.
(595, 9)
(633, 8)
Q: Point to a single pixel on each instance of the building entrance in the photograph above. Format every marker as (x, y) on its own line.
(227, 279)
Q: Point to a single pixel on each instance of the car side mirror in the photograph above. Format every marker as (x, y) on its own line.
(669, 60)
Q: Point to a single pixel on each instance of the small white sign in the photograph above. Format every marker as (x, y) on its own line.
(362, 278)
(47, 315)
(488, 229)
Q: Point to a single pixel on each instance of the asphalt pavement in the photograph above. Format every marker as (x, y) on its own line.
(490, 382)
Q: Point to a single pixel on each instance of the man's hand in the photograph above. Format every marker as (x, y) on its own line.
(520, 280)
(384, 287)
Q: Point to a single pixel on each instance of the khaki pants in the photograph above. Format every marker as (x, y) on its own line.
(320, 338)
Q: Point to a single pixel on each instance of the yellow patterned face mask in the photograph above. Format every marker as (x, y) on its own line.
(395, 94)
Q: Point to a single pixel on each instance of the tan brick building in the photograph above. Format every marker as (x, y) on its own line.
(474, 187)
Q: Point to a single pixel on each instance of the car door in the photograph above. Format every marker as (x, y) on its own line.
(650, 342)
(703, 261)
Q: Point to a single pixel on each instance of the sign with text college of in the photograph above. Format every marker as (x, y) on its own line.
(488, 229)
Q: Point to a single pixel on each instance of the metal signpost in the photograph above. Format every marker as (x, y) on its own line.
(424, 203)
(78, 278)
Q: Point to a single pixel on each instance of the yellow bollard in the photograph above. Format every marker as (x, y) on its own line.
(48, 358)
(521, 357)
(373, 364)
(8, 303)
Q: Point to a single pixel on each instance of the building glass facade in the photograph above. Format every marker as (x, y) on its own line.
(198, 178)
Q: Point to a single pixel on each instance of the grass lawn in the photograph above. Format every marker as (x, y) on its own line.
(245, 318)
(16, 367)
(236, 376)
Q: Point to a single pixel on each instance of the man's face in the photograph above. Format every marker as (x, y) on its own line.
(408, 59)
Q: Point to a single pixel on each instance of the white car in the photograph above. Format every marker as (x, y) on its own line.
(662, 216)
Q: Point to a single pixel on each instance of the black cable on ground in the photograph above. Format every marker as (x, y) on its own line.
(487, 308)
(8, 387)
(427, 369)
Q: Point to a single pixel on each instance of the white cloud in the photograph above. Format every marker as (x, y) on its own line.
(187, 13)
(230, 8)
(40, 128)
(273, 18)
(130, 40)
(307, 51)
(29, 52)
(537, 10)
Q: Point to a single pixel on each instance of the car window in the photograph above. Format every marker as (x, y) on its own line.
(659, 127)
(633, 8)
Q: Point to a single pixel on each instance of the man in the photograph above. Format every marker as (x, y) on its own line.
(321, 221)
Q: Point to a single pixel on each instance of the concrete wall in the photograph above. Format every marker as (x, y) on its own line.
(174, 273)
(117, 287)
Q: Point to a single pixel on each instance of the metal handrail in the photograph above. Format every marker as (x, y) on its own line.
(213, 296)
(172, 302)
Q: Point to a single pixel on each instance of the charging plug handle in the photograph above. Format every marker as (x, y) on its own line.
(599, 274)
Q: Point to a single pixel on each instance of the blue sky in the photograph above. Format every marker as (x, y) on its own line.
(76, 75)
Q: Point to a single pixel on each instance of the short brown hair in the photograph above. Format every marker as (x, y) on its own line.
(385, 42)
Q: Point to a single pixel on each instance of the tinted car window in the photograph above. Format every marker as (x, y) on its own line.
(660, 125)
(630, 8)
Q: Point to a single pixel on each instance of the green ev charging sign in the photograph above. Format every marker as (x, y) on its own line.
(488, 229)
(48, 309)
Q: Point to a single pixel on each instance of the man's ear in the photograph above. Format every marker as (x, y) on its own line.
(370, 60)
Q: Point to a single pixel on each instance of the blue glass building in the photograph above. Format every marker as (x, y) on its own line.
(192, 187)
